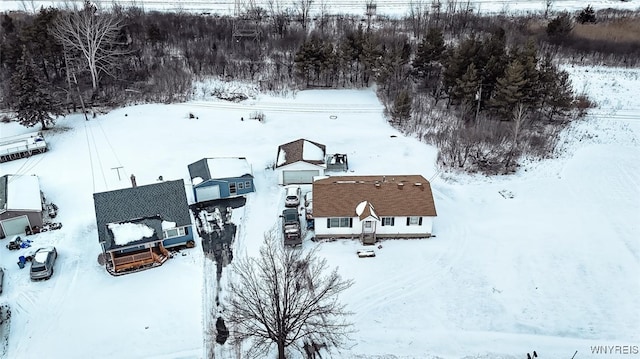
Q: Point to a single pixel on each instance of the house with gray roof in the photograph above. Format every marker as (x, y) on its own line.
(137, 225)
(220, 177)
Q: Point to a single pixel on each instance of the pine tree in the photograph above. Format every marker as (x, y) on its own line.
(467, 86)
(33, 101)
(509, 90)
(401, 110)
(429, 51)
(587, 15)
(560, 27)
(528, 57)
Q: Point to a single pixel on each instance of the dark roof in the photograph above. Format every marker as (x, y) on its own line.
(3, 191)
(165, 199)
(220, 167)
(390, 196)
(199, 169)
(294, 151)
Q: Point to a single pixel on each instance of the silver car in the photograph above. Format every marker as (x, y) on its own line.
(42, 263)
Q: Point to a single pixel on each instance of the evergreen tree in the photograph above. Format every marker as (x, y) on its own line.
(509, 90)
(457, 62)
(587, 15)
(467, 86)
(556, 89)
(430, 50)
(560, 27)
(528, 57)
(401, 110)
(495, 52)
(33, 100)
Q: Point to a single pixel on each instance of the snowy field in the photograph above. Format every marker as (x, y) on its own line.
(553, 269)
(384, 7)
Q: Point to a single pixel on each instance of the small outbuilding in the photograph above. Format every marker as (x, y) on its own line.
(220, 177)
(298, 162)
(371, 207)
(21, 204)
(136, 225)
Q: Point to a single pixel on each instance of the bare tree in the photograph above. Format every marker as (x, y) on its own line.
(519, 121)
(286, 297)
(303, 7)
(547, 7)
(92, 36)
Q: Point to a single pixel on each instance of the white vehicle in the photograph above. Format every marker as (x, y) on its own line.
(292, 196)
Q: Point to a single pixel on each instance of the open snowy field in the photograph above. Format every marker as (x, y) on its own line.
(554, 269)
(384, 7)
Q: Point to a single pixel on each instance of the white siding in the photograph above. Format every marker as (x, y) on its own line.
(399, 228)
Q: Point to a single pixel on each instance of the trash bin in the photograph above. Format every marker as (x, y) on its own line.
(21, 265)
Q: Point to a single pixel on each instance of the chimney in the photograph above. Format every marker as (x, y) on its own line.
(384, 179)
(133, 181)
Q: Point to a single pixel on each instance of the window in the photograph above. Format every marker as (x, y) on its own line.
(232, 188)
(414, 221)
(339, 222)
(388, 221)
(175, 232)
(240, 185)
(247, 184)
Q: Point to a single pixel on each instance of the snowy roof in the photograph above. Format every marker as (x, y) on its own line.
(150, 204)
(125, 233)
(301, 150)
(218, 168)
(348, 196)
(20, 192)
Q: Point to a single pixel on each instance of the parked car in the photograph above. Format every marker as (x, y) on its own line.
(1, 279)
(291, 227)
(42, 263)
(293, 194)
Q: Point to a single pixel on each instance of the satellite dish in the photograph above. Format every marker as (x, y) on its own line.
(360, 207)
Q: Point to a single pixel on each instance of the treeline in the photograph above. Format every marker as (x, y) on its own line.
(485, 89)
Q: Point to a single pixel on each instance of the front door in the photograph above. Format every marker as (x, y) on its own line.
(369, 227)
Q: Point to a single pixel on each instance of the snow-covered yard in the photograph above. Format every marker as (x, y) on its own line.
(554, 269)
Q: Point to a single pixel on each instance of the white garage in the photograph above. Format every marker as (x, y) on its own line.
(14, 225)
(207, 193)
(299, 177)
(298, 162)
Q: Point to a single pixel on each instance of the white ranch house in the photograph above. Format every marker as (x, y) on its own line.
(371, 207)
(298, 162)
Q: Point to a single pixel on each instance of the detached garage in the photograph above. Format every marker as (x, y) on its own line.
(20, 204)
(299, 161)
(221, 177)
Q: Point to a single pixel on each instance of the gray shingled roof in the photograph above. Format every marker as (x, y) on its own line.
(200, 169)
(165, 199)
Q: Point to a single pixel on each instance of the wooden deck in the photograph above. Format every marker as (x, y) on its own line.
(150, 257)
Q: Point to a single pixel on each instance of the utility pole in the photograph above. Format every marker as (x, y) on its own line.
(117, 170)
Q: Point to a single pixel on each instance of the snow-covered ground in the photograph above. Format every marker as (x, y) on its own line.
(554, 269)
(384, 7)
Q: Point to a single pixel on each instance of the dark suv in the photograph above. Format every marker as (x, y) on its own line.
(42, 263)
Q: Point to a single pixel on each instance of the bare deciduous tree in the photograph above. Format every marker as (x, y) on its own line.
(286, 297)
(303, 7)
(91, 35)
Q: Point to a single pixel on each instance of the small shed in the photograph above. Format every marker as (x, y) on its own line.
(21, 204)
(298, 162)
(220, 177)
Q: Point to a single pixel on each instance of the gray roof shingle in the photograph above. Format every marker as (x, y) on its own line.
(165, 199)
